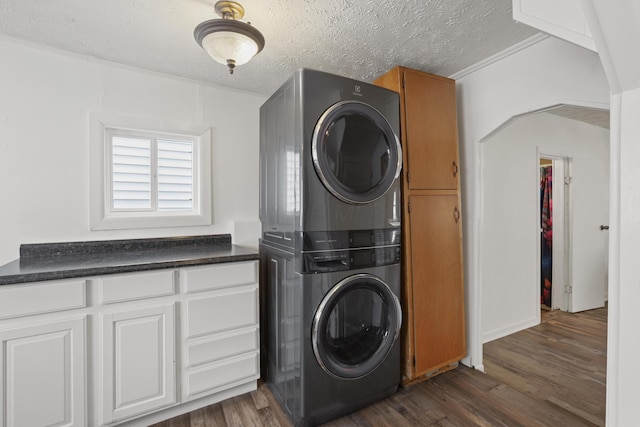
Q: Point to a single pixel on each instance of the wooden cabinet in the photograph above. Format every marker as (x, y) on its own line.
(436, 274)
(433, 333)
(430, 132)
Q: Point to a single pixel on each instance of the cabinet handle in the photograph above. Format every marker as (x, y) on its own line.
(455, 169)
(456, 214)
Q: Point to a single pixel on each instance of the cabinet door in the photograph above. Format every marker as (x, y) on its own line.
(42, 375)
(138, 361)
(431, 133)
(438, 296)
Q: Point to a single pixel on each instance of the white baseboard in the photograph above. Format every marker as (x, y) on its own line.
(508, 330)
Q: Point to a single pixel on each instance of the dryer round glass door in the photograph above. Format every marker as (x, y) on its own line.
(355, 152)
(355, 326)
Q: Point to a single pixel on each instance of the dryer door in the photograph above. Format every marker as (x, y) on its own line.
(355, 326)
(355, 152)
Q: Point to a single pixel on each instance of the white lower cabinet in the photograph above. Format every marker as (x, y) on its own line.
(220, 328)
(138, 372)
(127, 349)
(42, 373)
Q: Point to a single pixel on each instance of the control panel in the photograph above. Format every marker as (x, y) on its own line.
(348, 239)
(327, 261)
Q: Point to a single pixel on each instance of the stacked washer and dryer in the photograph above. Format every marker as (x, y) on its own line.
(330, 159)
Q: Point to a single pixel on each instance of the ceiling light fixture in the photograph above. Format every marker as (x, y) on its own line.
(227, 40)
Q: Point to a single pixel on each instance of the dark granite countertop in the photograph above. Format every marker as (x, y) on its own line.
(53, 261)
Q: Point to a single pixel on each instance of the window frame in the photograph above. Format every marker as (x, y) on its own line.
(103, 216)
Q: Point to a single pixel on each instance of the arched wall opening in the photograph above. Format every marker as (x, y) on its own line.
(534, 76)
(509, 196)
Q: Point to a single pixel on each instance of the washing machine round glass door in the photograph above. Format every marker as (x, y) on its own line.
(355, 152)
(355, 326)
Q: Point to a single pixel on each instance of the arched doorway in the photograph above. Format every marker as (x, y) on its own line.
(510, 222)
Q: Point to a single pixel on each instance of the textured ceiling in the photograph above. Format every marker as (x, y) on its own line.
(359, 39)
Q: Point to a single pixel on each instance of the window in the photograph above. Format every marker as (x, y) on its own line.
(150, 173)
(149, 178)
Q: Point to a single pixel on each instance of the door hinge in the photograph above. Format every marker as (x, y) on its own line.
(409, 206)
(568, 289)
(402, 81)
(567, 180)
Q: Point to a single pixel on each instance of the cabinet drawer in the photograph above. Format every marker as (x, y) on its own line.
(217, 377)
(41, 297)
(220, 276)
(223, 346)
(221, 311)
(125, 287)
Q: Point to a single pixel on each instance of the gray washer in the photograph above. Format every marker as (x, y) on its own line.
(329, 341)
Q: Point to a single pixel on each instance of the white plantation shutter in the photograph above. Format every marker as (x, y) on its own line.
(151, 173)
(175, 175)
(131, 173)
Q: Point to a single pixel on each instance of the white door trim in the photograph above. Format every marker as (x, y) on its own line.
(562, 227)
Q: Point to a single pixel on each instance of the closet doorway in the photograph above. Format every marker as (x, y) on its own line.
(554, 186)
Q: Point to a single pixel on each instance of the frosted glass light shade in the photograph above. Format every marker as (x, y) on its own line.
(226, 45)
(228, 41)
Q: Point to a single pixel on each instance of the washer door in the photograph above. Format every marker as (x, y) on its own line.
(355, 152)
(355, 326)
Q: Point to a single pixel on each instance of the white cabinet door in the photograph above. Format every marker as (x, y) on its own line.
(42, 374)
(138, 361)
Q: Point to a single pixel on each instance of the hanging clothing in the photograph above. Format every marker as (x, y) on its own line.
(546, 227)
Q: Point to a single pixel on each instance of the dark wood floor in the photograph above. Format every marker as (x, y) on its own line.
(549, 375)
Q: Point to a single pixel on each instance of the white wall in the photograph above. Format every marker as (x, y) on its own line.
(616, 28)
(564, 19)
(623, 372)
(44, 148)
(547, 73)
(510, 200)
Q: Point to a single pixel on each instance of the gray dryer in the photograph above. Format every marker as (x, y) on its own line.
(330, 157)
